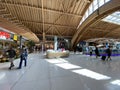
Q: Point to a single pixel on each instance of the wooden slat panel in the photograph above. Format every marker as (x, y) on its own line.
(60, 17)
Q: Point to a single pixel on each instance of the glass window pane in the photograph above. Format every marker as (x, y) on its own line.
(87, 14)
(90, 9)
(113, 18)
(101, 2)
(107, 1)
(116, 13)
(109, 17)
(95, 2)
(95, 7)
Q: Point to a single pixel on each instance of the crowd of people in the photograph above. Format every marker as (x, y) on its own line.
(106, 56)
(24, 54)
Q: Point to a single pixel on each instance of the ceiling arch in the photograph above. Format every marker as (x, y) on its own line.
(90, 28)
(61, 17)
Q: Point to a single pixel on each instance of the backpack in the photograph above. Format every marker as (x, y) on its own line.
(11, 53)
(23, 56)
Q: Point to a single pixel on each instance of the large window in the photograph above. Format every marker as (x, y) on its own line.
(101, 2)
(95, 5)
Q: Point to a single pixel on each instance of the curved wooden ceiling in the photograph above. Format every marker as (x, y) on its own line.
(53, 17)
(94, 27)
(102, 29)
(31, 18)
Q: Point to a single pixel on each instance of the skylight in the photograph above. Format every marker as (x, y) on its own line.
(113, 18)
(94, 5)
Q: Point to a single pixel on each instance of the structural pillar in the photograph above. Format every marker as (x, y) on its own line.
(20, 42)
(43, 44)
(55, 43)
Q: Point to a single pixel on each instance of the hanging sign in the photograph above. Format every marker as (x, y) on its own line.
(15, 37)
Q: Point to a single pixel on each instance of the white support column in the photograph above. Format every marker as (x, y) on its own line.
(55, 43)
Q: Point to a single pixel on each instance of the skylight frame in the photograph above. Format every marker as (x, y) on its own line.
(113, 18)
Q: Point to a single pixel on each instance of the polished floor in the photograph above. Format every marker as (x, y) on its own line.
(77, 72)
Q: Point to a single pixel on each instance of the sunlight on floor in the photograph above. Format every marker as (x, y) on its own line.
(68, 66)
(85, 72)
(55, 61)
(2, 75)
(116, 82)
(91, 74)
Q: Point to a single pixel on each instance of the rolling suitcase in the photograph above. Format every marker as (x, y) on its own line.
(103, 57)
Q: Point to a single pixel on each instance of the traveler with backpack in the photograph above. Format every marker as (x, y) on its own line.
(23, 56)
(108, 51)
(11, 54)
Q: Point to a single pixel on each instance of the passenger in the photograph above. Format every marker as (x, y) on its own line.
(90, 50)
(108, 51)
(11, 55)
(26, 55)
(96, 52)
(75, 49)
(23, 56)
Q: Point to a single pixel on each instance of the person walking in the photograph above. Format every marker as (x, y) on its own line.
(108, 51)
(11, 55)
(23, 57)
(90, 50)
(26, 55)
(96, 51)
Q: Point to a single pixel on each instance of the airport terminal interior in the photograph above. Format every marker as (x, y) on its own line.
(59, 44)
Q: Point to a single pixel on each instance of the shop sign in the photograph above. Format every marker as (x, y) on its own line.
(4, 35)
(15, 37)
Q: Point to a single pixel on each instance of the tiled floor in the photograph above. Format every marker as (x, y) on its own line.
(78, 72)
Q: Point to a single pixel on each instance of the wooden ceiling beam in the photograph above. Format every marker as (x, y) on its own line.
(59, 33)
(53, 35)
(88, 1)
(1, 13)
(61, 16)
(61, 12)
(5, 15)
(44, 9)
(113, 31)
(2, 10)
(48, 24)
(98, 29)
